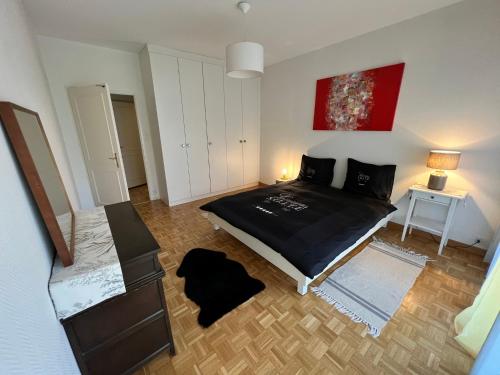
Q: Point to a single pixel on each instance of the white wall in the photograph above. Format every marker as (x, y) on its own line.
(147, 78)
(70, 63)
(32, 341)
(450, 98)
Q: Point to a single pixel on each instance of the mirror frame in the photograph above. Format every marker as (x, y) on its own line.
(18, 143)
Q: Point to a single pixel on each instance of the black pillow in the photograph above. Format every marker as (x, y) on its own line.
(316, 170)
(369, 179)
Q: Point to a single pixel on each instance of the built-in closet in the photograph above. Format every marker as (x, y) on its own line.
(208, 124)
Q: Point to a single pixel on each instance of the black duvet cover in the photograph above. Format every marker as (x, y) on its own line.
(309, 225)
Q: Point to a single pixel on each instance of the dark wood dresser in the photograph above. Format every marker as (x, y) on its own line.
(121, 334)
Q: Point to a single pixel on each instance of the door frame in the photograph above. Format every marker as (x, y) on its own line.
(147, 162)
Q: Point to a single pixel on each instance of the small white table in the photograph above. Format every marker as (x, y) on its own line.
(447, 197)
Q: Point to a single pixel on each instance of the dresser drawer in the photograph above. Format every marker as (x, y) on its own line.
(432, 198)
(116, 315)
(124, 355)
(141, 268)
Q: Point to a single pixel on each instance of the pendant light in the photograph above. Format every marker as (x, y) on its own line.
(244, 59)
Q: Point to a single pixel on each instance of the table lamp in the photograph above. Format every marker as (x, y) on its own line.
(441, 160)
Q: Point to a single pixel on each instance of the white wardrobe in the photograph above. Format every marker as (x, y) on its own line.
(208, 124)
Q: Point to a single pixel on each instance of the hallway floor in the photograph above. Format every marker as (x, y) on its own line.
(139, 194)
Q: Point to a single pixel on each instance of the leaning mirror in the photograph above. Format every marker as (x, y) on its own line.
(29, 143)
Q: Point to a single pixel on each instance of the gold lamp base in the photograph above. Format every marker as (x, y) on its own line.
(437, 180)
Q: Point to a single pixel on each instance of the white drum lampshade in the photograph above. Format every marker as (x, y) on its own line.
(441, 160)
(244, 60)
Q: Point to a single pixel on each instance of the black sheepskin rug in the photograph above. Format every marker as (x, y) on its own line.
(215, 283)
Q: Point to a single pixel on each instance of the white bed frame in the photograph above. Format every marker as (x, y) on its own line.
(277, 259)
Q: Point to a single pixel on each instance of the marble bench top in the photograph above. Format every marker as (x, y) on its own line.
(95, 275)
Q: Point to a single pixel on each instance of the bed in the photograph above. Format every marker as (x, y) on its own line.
(301, 227)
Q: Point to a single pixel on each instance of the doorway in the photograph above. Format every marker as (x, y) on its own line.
(130, 146)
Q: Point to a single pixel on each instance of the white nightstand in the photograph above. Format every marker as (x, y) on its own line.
(447, 197)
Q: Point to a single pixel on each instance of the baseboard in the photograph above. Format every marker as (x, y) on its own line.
(424, 235)
(198, 197)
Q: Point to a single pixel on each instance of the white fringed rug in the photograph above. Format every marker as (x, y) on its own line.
(370, 287)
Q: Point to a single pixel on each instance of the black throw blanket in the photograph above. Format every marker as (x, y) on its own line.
(308, 224)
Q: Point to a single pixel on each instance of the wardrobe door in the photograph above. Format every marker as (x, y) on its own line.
(234, 136)
(251, 130)
(213, 79)
(170, 121)
(193, 107)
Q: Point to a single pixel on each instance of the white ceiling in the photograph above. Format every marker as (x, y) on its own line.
(286, 28)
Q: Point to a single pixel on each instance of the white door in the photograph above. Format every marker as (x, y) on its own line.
(234, 136)
(251, 130)
(95, 122)
(167, 90)
(130, 144)
(193, 108)
(213, 79)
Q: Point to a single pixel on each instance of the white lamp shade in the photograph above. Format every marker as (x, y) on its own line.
(443, 159)
(244, 60)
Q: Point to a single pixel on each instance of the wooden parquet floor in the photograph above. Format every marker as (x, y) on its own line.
(139, 194)
(279, 331)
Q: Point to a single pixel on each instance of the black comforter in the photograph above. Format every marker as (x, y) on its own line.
(307, 224)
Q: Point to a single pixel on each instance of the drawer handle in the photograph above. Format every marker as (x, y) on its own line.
(432, 196)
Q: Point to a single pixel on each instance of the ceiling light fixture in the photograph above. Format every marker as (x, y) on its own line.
(244, 59)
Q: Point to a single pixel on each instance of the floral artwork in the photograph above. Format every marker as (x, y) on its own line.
(358, 101)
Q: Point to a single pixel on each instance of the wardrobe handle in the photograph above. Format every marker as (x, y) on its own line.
(183, 145)
(244, 141)
(188, 145)
(210, 143)
(241, 140)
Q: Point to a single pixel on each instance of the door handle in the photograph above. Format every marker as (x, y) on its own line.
(115, 158)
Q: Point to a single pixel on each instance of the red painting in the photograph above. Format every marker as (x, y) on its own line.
(358, 101)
